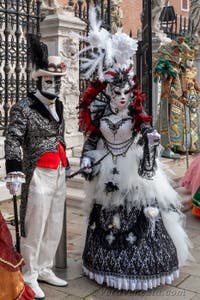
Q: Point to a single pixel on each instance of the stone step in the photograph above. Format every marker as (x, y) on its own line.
(185, 196)
(176, 163)
(175, 169)
(75, 197)
(75, 185)
(74, 163)
(76, 182)
(183, 191)
(77, 151)
(4, 194)
(2, 168)
(172, 161)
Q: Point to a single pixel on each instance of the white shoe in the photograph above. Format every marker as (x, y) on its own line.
(37, 290)
(49, 277)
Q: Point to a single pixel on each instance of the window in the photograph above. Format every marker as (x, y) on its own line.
(185, 5)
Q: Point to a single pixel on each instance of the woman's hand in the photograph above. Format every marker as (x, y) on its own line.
(153, 138)
(86, 165)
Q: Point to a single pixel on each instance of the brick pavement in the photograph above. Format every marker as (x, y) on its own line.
(187, 287)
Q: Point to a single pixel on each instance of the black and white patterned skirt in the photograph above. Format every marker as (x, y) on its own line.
(126, 250)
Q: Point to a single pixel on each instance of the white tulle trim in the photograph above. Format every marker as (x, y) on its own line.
(134, 190)
(123, 283)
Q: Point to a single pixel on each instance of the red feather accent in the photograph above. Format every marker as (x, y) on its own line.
(139, 115)
(111, 73)
(85, 122)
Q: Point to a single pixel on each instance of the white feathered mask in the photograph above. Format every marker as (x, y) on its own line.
(105, 51)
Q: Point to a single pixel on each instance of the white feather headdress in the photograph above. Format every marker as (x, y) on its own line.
(105, 51)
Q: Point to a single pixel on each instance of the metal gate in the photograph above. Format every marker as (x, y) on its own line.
(17, 18)
(144, 56)
(82, 10)
(173, 26)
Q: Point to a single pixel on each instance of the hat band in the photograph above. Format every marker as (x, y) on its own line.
(60, 68)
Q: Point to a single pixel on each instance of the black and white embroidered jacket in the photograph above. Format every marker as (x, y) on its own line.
(32, 131)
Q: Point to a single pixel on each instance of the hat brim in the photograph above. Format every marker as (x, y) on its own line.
(41, 72)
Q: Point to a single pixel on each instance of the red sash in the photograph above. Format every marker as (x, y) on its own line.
(51, 160)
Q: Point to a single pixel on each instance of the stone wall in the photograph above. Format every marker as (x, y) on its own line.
(60, 31)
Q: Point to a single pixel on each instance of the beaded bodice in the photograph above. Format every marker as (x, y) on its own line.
(117, 133)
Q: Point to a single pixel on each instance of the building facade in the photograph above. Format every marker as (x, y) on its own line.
(131, 10)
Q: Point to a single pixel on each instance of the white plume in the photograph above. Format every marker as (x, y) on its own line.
(105, 50)
(123, 49)
(94, 23)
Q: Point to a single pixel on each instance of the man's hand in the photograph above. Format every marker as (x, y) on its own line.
(153, 138)
(14, 181)
(86, 165)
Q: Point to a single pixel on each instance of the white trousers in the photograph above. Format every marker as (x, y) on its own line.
(44, 220)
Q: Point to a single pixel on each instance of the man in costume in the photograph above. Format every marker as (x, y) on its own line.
(168, 69)
(191, 94)
(135, 240)
(37, 126)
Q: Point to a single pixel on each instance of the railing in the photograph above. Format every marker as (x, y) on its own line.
(174, 25)
(17, 18)
(81, 9)
(144, 56)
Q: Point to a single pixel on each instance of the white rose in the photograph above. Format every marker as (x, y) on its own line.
(151, 212)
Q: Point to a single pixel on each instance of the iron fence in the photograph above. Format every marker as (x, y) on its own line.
(174, 25)
(144, 56)
(81, 9)
(17, 19)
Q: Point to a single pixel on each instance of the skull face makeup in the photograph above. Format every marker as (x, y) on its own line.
(49, 86)
(120, 96)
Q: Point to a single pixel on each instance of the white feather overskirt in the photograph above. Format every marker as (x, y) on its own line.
(135, 191)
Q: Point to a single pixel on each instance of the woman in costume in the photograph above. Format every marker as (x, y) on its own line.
(12, 285)
(191, 181)
(135, 240)
(191, 93)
